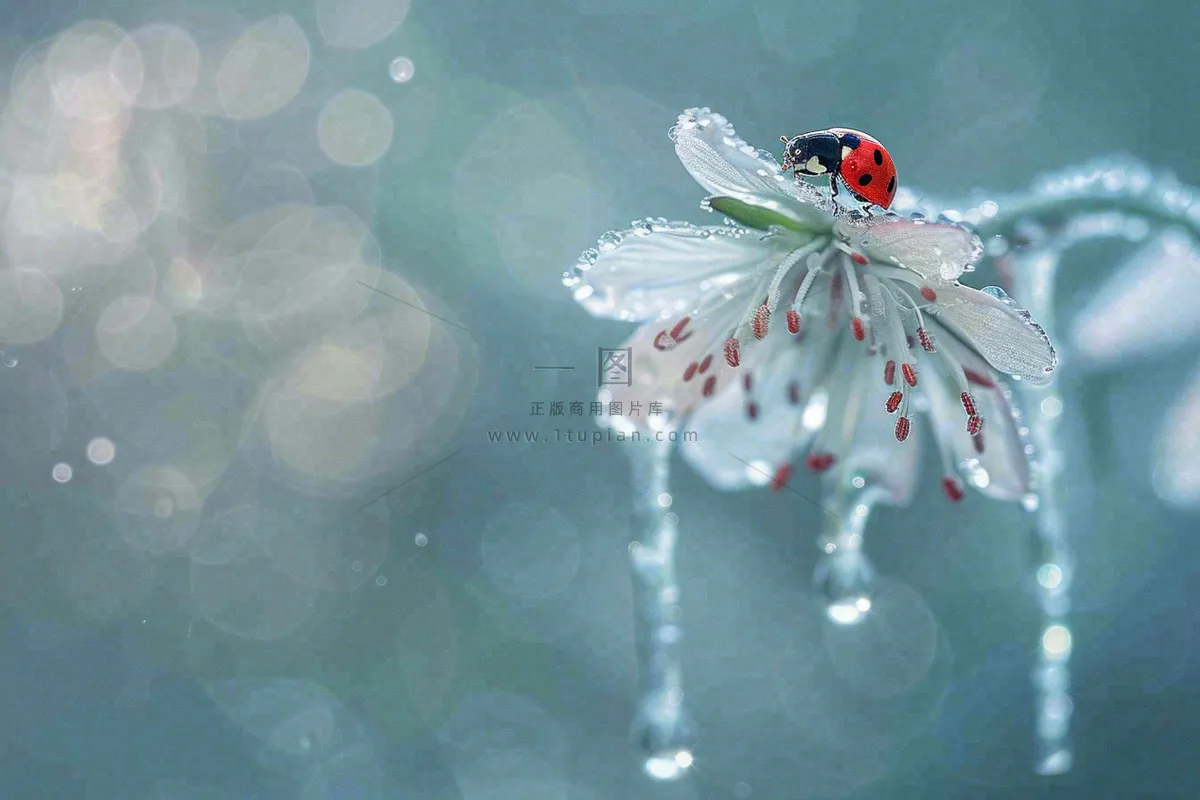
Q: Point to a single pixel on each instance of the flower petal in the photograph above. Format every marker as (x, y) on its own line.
(874, 450)
(998, 330)
(660, 268)
(1177, 471)
(660, 368)
(733, 450)
(933, 250)
(726, 166)
(1002, 469)
(1145, 307)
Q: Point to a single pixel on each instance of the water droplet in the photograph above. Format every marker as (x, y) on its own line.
(665, 734)
(356, 566)
(10, 361)
(402, 69)
(62, 472)
(845, 580)
(742, 790)
(1030, 502)
(421, 540)
(380, 580)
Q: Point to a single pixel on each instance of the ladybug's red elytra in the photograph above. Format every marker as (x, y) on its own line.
(859, 160)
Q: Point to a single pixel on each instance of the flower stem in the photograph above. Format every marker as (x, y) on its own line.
(662, 727)
(1123, 201)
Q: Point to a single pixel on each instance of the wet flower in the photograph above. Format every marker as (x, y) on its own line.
(805, 330)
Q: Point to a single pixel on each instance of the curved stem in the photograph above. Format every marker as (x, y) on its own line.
(1121, 185)
(662, 727)
(1115, 199)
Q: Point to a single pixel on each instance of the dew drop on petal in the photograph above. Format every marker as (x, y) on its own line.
(421, 540)
(61, 473)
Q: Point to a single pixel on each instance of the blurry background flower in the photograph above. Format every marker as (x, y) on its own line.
(196, 403)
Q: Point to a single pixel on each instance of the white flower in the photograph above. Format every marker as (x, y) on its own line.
(801, 327)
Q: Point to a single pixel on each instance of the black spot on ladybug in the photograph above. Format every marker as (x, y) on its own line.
(878, 158)
(851, 141)
(892, 184)
(864, 179)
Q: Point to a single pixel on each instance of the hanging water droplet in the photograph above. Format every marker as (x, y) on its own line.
(9, 360)
(844, 579)
(664, 733)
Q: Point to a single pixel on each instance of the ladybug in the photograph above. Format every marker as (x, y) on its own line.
(858, 159)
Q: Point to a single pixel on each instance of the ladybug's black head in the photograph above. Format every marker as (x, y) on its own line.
(816, 153)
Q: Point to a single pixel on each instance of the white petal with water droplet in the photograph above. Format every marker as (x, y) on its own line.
(727, 166)
(997, 329)
(932, 250)
(661, 267)
(1002, 469)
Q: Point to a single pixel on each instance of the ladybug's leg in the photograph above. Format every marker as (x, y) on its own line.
(864, 205)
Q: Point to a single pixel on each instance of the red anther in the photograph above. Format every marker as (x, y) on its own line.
(706, 363)
(929, 294)
(902, 429)
(978, 379)
(926, 342)
(793, 393)
(746, 382)
(760, 320)
(733, 356)
(819, 462)
(678, 329)
(974, 424)
(710, 385)
(663, 341)
(910, 374)
(856, 327)
(968, 404)
(752, 410)
(952, 489)
(859, 259)
(893, 402)
(889, 373)
(690, 372)
(793, 321)
(782, 476)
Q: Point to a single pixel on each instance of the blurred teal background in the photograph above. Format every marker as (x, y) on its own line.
(266, 291)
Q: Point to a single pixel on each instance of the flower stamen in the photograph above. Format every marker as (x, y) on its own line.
(782, 476)
(819, 462)
(733, 355)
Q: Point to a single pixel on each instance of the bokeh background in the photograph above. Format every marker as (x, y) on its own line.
(273, 270)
